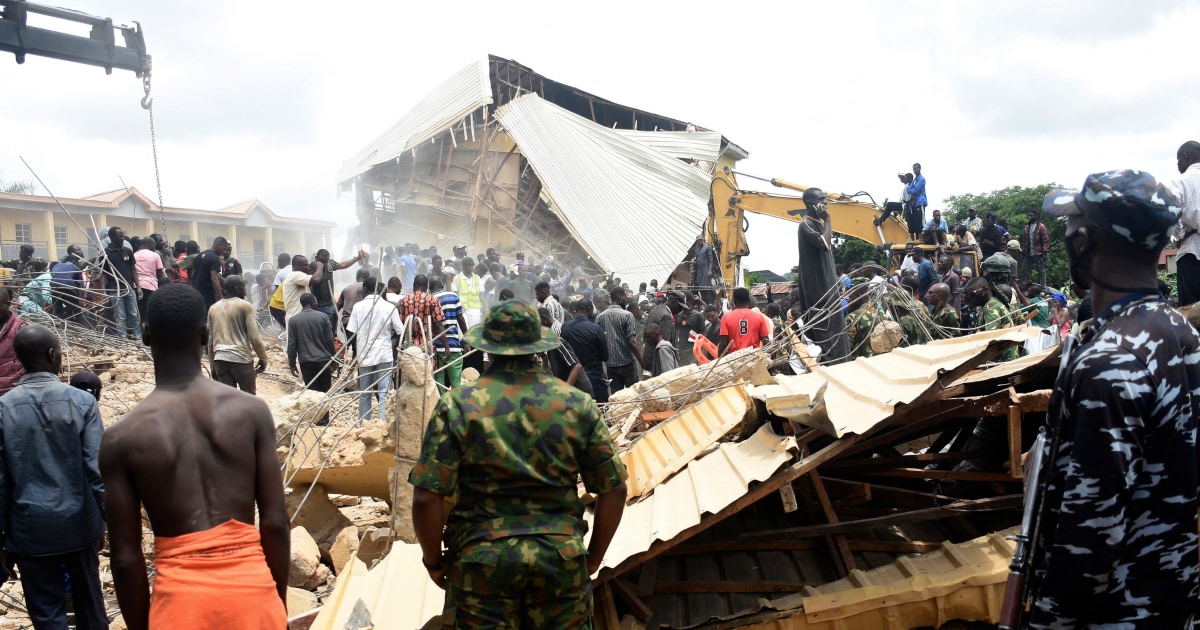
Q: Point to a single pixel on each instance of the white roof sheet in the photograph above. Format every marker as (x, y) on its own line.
(464, 92)
(898, 377)
(634, 208)
(681, 145)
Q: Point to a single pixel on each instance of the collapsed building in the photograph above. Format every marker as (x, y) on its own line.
(777, 501)
(829, 499)
(501, 156)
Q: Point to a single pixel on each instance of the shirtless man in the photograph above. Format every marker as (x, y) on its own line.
(199, 456)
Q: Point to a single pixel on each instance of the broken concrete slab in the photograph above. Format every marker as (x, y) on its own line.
(347, 459)
(685, 385)
(317, 515)
(300, 601)
(302, 406)
(305, 569)
(373, 545)
(344, 548)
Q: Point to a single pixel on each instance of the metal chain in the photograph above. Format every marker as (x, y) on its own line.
(148, 105)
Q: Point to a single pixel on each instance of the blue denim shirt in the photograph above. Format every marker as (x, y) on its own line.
(51, 494)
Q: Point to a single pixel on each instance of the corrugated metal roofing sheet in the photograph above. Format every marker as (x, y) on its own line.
(464, 92)
(959, 581)
(681, 145)
(838, 399)
(634, 208)
(928, 589)
(669, 446)
(706, 486)
(397, 593)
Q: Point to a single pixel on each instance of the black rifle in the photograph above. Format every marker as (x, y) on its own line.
(1016, 591)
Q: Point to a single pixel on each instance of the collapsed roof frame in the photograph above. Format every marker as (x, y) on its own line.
(448, 165)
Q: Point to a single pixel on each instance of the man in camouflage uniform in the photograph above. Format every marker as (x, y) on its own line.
(911, 323)
(1117, 544)
(993, 303)
(862, 321)
(20, 266)
(942, 312)
(511, 449)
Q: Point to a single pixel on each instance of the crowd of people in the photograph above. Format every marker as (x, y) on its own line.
(1117, 541)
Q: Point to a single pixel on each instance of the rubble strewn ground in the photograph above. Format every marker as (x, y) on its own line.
(346, 481)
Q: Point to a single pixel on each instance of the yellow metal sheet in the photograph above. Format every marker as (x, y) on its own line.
(705, 486)
(668, 447)
(963, 581)
(396, 594)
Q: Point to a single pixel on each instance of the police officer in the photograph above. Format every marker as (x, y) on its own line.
(1117, 546)
(511, 448)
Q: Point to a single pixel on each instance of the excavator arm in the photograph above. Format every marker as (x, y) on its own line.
(728, 206)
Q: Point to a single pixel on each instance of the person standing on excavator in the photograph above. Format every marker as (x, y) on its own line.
(819, 286)
(916, 190)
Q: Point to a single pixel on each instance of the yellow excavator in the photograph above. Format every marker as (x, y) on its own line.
(726, 227)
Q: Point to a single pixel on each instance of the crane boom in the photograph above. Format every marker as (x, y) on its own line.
(100, 48)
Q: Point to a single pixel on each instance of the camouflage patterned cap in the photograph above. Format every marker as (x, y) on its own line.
(997, 265)
(1146, 224)
(512, 328)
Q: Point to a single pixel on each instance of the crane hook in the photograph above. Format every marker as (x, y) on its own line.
(147, 102)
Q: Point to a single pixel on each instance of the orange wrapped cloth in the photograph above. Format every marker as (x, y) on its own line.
(216, 578)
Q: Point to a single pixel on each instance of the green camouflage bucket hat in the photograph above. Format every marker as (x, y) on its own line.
(512, 328)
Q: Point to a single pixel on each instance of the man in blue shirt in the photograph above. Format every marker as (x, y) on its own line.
(51, 493)
(916, 190)
(927, 276)
(935, 230)
(408, 268)
(67, 283)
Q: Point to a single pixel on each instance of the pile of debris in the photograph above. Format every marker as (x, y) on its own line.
(755, 499)
(764, 501)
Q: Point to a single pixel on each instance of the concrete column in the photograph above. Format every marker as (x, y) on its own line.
(233, 240)
(51, 246)
(101, 223)
(303, 245)
(269, 244)
(195, 230)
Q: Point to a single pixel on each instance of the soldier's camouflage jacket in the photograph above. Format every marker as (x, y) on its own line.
(946, 321)
(859, 326)
(995, 315)
(513, 446)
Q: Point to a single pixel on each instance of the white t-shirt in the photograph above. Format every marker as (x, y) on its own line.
(279, 277)
(294, 285)
(375, 321)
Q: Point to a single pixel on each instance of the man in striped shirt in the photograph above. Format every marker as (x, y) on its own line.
(449, 349)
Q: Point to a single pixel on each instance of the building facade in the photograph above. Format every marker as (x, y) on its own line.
(257, 234)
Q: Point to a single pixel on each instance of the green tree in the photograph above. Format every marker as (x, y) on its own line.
(851, 253)
(754, 278)
(1014, 204)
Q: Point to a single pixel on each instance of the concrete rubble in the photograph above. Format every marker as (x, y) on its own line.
(349, 500)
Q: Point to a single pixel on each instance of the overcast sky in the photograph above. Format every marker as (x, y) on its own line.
(265, 100)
